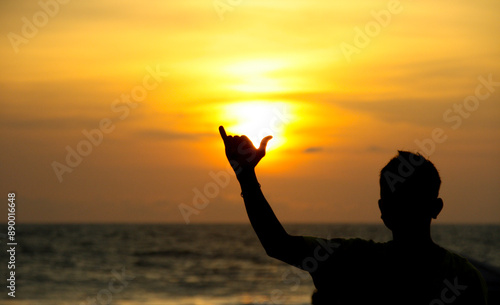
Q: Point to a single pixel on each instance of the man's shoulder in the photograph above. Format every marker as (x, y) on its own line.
(458, 269)
(460, 266)
(458, 263)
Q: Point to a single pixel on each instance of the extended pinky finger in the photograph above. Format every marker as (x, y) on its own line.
(222, 132)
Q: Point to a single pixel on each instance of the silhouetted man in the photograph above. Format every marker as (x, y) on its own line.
(410, 269)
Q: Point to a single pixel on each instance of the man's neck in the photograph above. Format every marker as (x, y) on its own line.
(416, 239)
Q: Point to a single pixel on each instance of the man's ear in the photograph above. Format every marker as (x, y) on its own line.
(437, 206)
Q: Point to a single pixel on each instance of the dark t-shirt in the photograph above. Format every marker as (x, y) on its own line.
(356, 271)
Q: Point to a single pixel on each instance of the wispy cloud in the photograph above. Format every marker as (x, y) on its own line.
(311, 150)
(169, 135)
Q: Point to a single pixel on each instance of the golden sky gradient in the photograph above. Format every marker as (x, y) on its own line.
(341, 85)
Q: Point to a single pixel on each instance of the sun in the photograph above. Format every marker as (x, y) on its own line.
(258, 119)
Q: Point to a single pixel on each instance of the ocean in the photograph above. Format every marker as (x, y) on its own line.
(131, 264)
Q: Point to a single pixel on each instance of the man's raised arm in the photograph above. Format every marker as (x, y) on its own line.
(244, 157)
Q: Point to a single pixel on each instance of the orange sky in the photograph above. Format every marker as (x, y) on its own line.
(341, 86)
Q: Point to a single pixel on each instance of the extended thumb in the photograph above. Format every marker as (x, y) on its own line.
(263, 143)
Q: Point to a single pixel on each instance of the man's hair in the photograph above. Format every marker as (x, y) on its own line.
(409, 176)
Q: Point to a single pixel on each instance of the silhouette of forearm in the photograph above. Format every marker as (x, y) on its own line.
(273, 237)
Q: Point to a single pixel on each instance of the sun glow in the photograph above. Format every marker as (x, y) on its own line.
(258, 119)
(257, 75)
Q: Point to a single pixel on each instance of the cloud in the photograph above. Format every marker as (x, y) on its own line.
(418, 112)
(375, 148)
(48, 123)
(311, 150)
(168, 135)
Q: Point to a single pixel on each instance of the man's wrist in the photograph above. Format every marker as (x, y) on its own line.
(248, 180)
(246, 175)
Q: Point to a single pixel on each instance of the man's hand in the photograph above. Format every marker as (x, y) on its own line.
(241, 152)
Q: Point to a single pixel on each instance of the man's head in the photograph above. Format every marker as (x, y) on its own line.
(409, 188)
